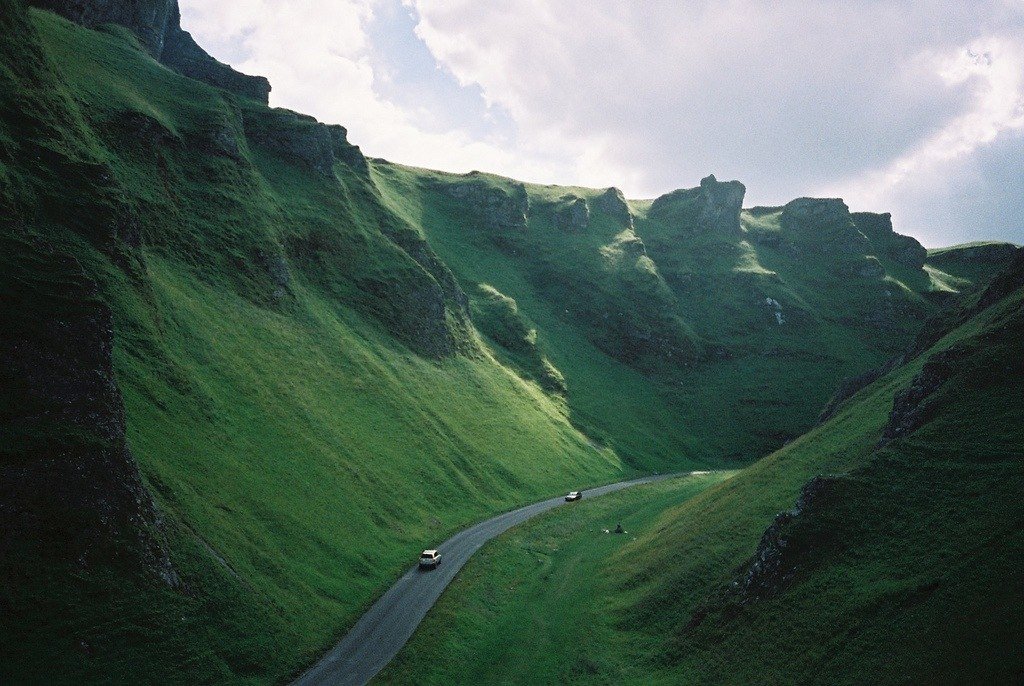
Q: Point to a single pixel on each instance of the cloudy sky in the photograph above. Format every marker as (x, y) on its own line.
(912, 108)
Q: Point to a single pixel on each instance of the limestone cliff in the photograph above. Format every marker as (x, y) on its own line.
(157, 24)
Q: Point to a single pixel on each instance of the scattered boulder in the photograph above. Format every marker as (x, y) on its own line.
(775, 308)
(573, 217)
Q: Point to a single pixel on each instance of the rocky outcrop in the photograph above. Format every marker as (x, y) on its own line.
(182, 54)
(150, 20)
(823, 224)
(1005, 282)
(721, 205)
(303, 140)
(157, 24)
(497, 316)
(712, 209)
(869, 268)
(573, 217)
(613, 203)
(905, 250)
(850, 387)
(632, 246)
(775, 562)
(69, 486)
(911, 408)
(497, 208)
(786, 547)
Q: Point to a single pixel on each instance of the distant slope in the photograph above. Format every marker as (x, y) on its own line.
(881, 547)
(697, 317)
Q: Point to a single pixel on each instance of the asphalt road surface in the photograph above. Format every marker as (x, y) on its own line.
(387, 626)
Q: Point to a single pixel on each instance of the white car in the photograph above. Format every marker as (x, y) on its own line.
(575, 495)
(429, 559)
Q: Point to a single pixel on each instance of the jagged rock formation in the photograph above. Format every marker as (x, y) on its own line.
(497, 316)
(711, 209)
(303, 139)
(182, 54)
(773, 565)
(850, 387)
(721, 205)
(878, 228)
(157, 24)
(69, 486)
(910, 407)
(778, 557)
(613, 203)
(823, 224)
(497, 208)
(296, 136)
(575, 216)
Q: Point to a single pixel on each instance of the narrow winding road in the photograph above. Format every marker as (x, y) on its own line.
(387, 626)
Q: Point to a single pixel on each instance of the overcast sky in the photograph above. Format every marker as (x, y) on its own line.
(911, 108)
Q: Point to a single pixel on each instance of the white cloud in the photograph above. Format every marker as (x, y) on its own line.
(996, 68)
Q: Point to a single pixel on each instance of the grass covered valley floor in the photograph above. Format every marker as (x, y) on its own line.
(250, 372)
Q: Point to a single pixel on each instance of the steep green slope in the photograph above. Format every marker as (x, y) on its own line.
(898, 563)
(697, 317)
(250, 372)
(302, 388)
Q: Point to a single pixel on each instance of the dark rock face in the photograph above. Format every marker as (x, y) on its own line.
(182, 54)
(910, 407)
(633, 246)
(69, 486)
(870, 268)
(147, 19)
(296, 136)
(499, 209)
(345, 151)
(711, 209)
(722, 202)
(1006, 282)
(575, 216)
(613, 203)
(850, 387)
(878, 228)
(825, 223)
(774, 563)
(157, 23)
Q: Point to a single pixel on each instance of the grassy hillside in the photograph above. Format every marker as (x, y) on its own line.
(303, 391)
(302, 366)
(697, 318)
(899, 565)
